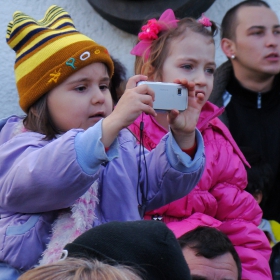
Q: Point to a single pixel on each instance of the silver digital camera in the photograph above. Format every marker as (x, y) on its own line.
(168, 96)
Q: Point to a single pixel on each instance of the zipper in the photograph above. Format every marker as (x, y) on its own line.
(259, 100)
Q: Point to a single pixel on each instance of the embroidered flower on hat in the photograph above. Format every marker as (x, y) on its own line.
(61, 47)
(205, 21)
(150, 30)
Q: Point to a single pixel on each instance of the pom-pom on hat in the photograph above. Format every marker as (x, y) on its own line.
(148, 246)
(48, 51)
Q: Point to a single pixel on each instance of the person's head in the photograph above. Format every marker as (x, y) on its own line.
(80, 269)
(250, 38)
(148, 246)
(118, 80)
(62, 76)
(259, 175)
(177, 50)
(210, 254)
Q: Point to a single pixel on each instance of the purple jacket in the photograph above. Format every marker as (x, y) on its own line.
(38, 178)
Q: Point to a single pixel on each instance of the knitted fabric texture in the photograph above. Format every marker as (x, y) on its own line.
(48, 51)
(71, 224)
(147, 246)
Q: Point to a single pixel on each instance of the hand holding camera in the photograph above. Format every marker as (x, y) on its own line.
(168, 96)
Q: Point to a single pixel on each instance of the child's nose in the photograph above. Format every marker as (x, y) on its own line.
(200, 79)
(97, 96)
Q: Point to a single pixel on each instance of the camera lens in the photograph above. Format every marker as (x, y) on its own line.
(179, 91)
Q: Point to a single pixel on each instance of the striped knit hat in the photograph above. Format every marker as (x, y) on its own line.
(48, 51)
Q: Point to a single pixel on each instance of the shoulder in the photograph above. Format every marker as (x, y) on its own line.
(10, 127)
(215, 133)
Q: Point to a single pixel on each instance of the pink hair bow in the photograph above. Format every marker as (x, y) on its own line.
(150, 32)
(205, 21)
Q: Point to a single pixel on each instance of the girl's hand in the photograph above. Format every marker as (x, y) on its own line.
(134, 101)
(183, 123)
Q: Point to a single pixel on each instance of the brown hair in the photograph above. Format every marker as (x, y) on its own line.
(229, 21)
(80, 269)
(210, 243)
(118, 80)
(160, 47)
(39, 120)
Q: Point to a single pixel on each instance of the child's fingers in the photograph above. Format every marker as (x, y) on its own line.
(149, 110)
(146, 90)
(177, 81)
(146, 99)
(142, 97)
(132, 82)
(189, 85)
(200, 97)
(172, 115)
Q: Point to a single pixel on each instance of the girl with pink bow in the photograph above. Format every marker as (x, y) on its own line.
(183, 51)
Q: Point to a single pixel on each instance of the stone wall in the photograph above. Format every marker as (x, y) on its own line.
(88, 21)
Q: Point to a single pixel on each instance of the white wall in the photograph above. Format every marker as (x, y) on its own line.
(119, 43)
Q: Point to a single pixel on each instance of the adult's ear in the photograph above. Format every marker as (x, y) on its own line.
(228, 47)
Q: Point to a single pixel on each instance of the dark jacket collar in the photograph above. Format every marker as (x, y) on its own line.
(251, 98)
(221, 78)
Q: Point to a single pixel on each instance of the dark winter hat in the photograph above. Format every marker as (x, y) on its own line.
(148, 246)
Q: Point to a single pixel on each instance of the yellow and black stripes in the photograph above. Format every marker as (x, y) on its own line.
(48, 51)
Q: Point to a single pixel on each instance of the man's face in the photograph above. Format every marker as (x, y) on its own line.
(220, 268)
(257, 41)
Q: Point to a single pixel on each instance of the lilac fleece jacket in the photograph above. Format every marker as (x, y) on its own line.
(38, 178)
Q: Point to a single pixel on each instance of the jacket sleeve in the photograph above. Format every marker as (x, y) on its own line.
(238, 210)
(39, 176)
(150, 180)
(180, 171)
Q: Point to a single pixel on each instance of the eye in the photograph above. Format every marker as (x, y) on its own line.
(187, 66)
(210, 71)
(277, 31)
(80, 88)
(104, 87)
(257, 32)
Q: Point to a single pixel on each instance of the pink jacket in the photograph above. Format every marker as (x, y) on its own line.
(219, 199)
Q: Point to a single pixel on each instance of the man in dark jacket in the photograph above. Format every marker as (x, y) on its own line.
(248, 85)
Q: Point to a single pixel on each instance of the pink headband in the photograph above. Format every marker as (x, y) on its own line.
(150, 32)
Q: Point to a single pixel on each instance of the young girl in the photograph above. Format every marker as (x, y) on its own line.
(183, 52)
(71, 145)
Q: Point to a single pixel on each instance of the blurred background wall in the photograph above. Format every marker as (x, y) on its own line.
(88, 21)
